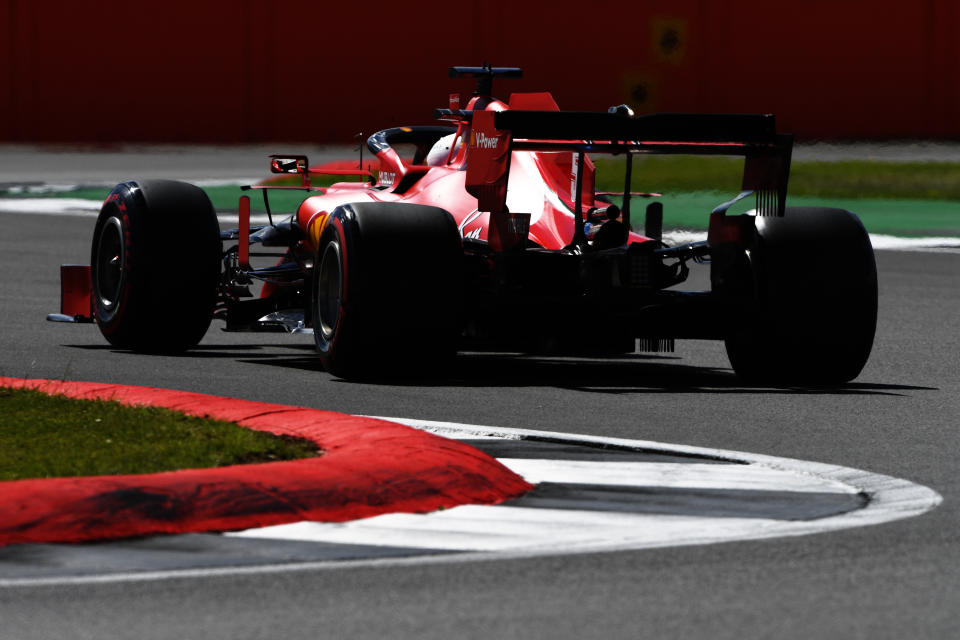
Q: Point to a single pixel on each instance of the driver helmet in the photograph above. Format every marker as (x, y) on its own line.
(440, 150)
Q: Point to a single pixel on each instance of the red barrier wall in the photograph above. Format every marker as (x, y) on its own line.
(247, 70)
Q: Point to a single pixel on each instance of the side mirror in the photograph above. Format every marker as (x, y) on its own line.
(288, 164)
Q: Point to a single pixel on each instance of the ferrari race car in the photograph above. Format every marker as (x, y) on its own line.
(493, 236)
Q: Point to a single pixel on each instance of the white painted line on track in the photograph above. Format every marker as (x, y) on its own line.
(878, 240)
(80, 208)
(666, 474)
(895, 243)
(51, 206)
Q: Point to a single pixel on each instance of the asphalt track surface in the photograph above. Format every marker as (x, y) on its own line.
(894, 580)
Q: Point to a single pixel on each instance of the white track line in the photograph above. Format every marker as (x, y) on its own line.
(879, 241)
(667, 474)
(51, 206)
(80, 208)
(527, 531)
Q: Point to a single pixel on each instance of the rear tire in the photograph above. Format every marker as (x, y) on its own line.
(815, 312)
(155, 265)
(387, 290)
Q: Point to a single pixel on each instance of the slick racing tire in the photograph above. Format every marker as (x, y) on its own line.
(155, 265)
(387, 290)
(815, 311)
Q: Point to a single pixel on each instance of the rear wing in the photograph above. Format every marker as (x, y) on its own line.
(660, 127)
(494, 135)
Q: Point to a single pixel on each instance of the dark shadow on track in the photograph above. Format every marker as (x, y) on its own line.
(621, 375)
(633, 373)
(699, 502)
(628, 374)
(266, 352)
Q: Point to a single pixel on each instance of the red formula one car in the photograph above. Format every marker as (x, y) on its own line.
(493, 236)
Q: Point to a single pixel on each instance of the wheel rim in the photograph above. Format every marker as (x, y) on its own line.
(329, 290)
(110, 261)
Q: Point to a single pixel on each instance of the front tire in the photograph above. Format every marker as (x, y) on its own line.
(815, 308)
(155, 265)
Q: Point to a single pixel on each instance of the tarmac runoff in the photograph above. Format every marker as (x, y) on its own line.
(579, 494)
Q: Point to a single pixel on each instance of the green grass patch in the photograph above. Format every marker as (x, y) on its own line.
(879, 215)
(844, 179)
(282, 201)
(860, 179)
(44, 436)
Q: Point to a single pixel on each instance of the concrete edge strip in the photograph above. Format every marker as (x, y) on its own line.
(889, 499)
(369, 467)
